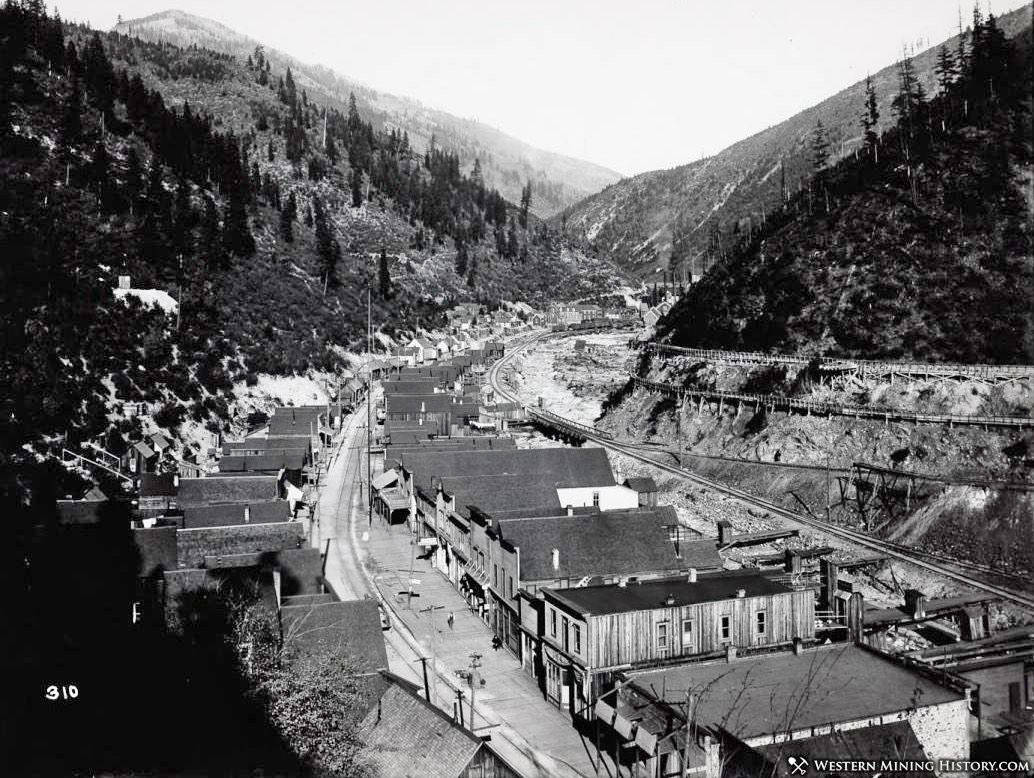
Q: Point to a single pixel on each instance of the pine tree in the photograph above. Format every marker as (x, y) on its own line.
(71, 119)
(525, 205)
(945, 69)
(287, 217)
(210, 243)
(871, 118)
(819, 148)
(384, 276)
(356, 182)
(327, 247)
(461, 258)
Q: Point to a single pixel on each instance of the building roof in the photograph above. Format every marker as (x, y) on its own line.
(395, 451)
(158, 485)
(281, 442)
(233, 514)
(408, 387)
(269, 462)
(202, 491)
(387, 478)
(491, 492)
(568, 467)
(647, 595)
(896, 740)
(160, 442)
(405, 736)
(145, 451)
(420, 403)
(641, 484)
(758, 695)
(604, 543)
(351, 629)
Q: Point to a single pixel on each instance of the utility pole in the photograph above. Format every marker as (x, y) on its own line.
(427, 686)
(369, 412)
(475, 663)
(691, 707)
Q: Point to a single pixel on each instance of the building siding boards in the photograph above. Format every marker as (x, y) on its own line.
(631, 638)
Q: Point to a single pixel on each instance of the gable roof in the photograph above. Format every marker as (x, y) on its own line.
(605, 543)
(351, 629)
(895, 740)
(203, 491)
(233, 514)
(491, 492)
(648, 595)
(641, 484)
(405, 736)
(568, 467)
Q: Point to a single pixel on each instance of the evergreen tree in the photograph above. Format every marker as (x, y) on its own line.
(237, 238)
(870, 117)
(287, 217)
(210, 242)
(356, 183)
(184, 219)
(945, 69)
(384, 276)
(819, 148)
(327, 247)
(461, 258)
(525, 205)
(71, 120)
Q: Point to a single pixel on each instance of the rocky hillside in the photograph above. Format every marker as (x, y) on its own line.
(508, 163)
(920, 247)
(667, 219)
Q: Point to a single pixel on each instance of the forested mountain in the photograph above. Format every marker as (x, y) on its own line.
(672, 220)
(266, 214)
(920, 245)
(507, 164)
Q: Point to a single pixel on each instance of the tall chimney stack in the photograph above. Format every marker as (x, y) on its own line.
(556, 559)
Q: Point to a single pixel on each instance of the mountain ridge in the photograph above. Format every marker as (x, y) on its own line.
(508, 162)
(664, 220)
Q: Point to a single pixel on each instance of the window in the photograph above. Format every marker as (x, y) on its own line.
(565, 633)
(595, 499)
(509, 587)
(552, 623)
(760, 621)
(578, 638)
(687, 632)
(725, 627)
(495, 576)
(662, 637)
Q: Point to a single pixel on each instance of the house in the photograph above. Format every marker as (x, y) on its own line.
(142, 458)
(591, 629)
(646, 488)
(160, 443)
(821, 703)
(405, 735)
(424, 348)
(235, 514)
(408, 356)
(651, 317)
(529, 552)
(86, 510)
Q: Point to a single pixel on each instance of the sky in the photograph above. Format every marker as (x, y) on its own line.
(635, 85)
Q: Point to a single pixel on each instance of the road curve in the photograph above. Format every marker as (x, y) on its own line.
(968, 574)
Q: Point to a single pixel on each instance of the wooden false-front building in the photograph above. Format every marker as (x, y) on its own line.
(590, 632)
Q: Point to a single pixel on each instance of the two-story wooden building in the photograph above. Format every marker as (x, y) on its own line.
(591, 632)
(525, 553)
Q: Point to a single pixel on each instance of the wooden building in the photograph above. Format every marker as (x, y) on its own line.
(593, 629)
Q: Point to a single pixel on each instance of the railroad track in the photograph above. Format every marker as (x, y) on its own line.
(963, 572)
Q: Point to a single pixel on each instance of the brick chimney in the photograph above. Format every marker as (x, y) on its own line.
(570, 510)
(692, 577)
(741, 593)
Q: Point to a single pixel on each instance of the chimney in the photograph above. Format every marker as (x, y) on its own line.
(422, 406)
(730, 653)
(556, 559)
(247, 514)
(123, 282)
(669, 600)
(570, 510)
(741, 593)
(692, 577)
(176, 480)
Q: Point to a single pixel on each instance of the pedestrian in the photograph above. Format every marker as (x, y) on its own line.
(496, 643)
(451, 619)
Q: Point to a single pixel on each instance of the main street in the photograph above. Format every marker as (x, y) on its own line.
(370, 559)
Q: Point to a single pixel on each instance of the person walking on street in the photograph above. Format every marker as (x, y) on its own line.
(451, 619)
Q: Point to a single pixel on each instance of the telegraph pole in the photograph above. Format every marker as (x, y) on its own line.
(475, 663)
(369, 412)
(691, 707)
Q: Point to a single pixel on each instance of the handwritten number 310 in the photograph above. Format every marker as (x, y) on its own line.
(69, 692)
